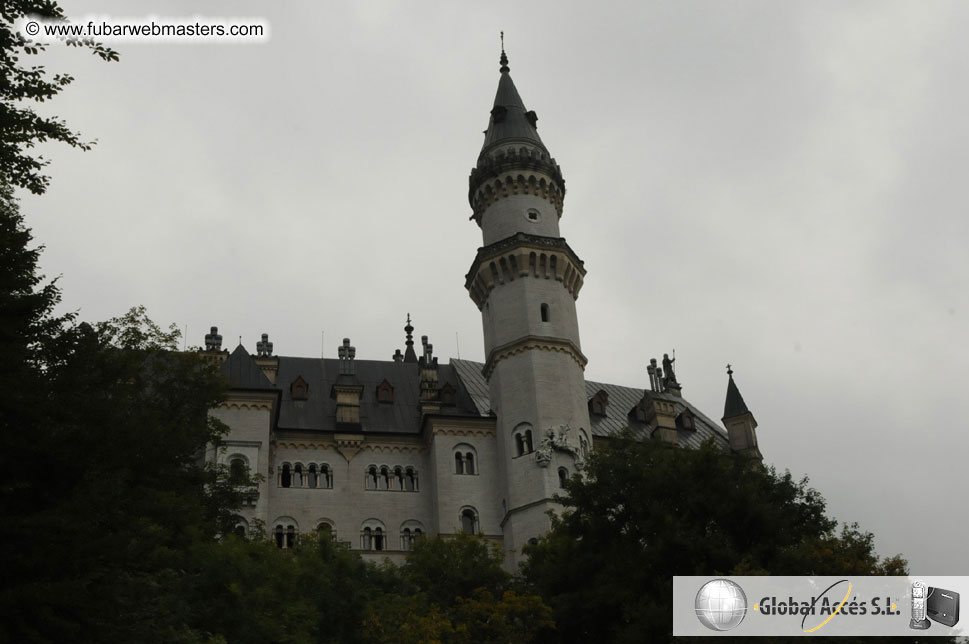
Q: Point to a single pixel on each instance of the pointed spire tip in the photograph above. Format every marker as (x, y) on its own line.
(504, 69)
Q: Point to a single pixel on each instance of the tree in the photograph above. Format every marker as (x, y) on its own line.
(21, 128)
(455, 591)
(102, 489)
(644, 512)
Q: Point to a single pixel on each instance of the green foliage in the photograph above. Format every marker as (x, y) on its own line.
(445, 569)
(101, 485)
(645, 512)
(455, 591)
(26, 313)
(21, 128)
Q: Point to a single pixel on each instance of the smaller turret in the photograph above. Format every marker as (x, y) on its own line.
(740, 423)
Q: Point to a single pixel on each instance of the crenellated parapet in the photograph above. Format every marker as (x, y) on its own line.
(524, 256)
(525, 170)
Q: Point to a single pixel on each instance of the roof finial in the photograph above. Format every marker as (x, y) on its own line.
(729, 370)
(409, 355)
(504, 59)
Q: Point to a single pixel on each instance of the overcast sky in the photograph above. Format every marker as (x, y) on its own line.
(780, 186)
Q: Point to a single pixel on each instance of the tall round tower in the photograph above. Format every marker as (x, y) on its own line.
(525, 281)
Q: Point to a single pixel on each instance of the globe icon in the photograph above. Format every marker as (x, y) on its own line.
(721, 605)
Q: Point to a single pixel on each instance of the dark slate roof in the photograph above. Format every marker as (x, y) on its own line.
(515, 126)
(318, 412)
(618, 415)
(242, 372)
(734, 405)
(475, 384)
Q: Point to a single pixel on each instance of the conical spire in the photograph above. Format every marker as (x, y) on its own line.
(734, 405)
(409, 354)
(512, 148)
(510, 121)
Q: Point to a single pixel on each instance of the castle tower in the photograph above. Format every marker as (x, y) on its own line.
(525, 281)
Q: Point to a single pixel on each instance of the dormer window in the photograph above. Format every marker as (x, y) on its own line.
(532, 118)
(385, 392)
(448, 395)
(299, 389)
(498, 113)
(598, 403)
(686, 420)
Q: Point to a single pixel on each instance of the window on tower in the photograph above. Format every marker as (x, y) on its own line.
(469, 521)
(544, 312)
(523, 439)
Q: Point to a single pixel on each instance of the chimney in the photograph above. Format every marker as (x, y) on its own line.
(430, 399)
(265, 359)
(213, 353)
(347, 390)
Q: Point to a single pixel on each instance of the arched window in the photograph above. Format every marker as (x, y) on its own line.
(398, 478)
(469, 521)
(563, 476)
(583, 446)
(410, 532)
(326, 476)
(523, 439)
(238, 470)
(241, 528)
(465, 456)
(325, 530)
(286, 476)
(405, 539)
(544, 312)
(371, 483)
(384, 480)
(312, 479)
(410, 479)
(378, 539)
(298, 475)
(373, 536)
(285, 533)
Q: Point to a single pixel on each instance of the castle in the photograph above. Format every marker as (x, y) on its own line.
(379, 453)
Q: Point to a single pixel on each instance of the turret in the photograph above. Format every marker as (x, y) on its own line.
(740, 423)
